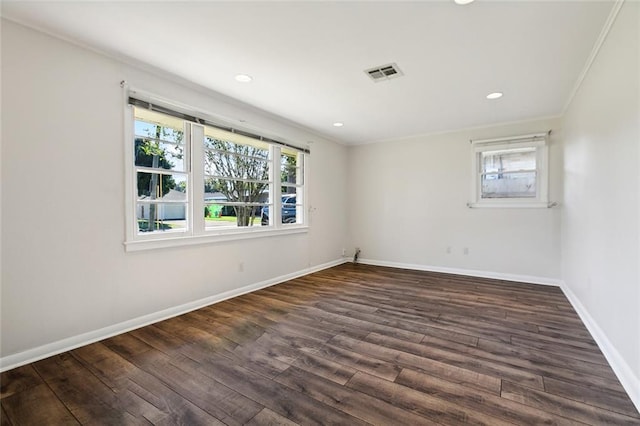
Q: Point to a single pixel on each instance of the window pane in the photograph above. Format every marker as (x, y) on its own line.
(235, 161)
(159, 140)
(508, 160)
(156, 186)
(156, 217)
(290, 209)
(228, 165)
(159, 155)
(157, 125)
(509, 185)
(225, 216)
(289, 169)
(219, 192)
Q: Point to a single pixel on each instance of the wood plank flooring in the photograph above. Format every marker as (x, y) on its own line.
(350, 345)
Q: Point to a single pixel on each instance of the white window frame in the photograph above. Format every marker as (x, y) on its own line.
(196, 232)
(539, 141)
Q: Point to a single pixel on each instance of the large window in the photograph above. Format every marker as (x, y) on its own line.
(510, 172)
(194, 181)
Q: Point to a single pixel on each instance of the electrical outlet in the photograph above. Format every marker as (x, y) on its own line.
(465, 250)
(344, 251)
(448, 249)
(241, 267)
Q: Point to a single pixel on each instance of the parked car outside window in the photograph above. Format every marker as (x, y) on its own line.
(288, 211)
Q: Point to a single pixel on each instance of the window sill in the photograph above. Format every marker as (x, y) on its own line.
(210, 238)
(512, 205)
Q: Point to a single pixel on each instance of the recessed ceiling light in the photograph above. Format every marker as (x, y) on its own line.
(244, 78)
(338, 124)
(463, 2)
(494, 95)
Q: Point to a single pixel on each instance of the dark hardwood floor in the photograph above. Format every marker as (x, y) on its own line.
(349, 345)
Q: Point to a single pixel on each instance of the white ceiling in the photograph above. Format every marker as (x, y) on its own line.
(307, 58)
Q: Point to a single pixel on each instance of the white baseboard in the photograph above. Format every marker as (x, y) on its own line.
(64, 345)
(466, 272)
(630, 382)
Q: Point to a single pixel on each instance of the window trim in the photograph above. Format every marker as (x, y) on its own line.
(196, 231)
(538, 141)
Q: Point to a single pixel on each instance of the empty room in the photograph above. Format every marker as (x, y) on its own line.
(314, 212)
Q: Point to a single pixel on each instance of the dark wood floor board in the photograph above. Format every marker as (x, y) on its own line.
(325, 368)
(208, 335)
(484, 402)
(360, 362)
(114, 372)
(37, 405)
(160, 340)
(157, 361)
(83, 393)
(277, 397)
(364, 407)
(400, 326)
(267, 417)
(126, 345)
(538, 357)
(353, 344)
(541, 369)
(465, 296)
(560, 332)
(440, 410)
(496, 332)
(18, 380)
(313, 320)
(187, 331)
(179, 411)
(435, 316)
(486, 367)
(266, 363)
(473, 295)
(432, 329)
(297, 324)
(592, 355)
(550, 320)
(459, 369)
(574, 340)
(109, 367)
(184, 376)
(564, 407)
(472, 285)
(352, 321)
(602, 398)
(4, 417)
(256, 313)
(117, 372)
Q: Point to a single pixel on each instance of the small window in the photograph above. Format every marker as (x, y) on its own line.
(510, 172)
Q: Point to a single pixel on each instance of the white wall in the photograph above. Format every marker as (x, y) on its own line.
(407, 200)
(600, 218)
(65, 271)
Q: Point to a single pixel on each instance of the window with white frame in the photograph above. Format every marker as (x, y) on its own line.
(510, 172)
(191, 181)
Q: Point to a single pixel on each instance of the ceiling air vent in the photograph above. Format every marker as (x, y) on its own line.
(384, 72)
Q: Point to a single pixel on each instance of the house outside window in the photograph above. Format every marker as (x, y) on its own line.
(193, 181)
(510, 172)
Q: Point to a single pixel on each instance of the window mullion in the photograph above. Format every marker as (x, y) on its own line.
(130, 187)
(275, 194)
(300, 193)
(196, 191)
